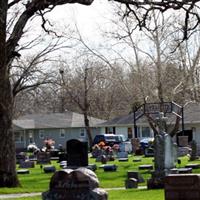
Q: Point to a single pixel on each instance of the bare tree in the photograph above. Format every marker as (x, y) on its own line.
(9, 40)
(8, 46)
(142, 10)
(77, 87)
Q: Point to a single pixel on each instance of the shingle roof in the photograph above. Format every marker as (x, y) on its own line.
(54, 120)
(191, 115)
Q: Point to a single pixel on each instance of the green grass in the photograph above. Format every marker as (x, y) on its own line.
(38, 181)
(135, 194)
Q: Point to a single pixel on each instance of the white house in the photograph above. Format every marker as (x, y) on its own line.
(60, 127)
(125, 124)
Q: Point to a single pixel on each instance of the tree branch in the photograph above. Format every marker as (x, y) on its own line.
(13, 3)
(31, 8)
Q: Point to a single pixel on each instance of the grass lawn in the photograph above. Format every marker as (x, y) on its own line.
(38, 181)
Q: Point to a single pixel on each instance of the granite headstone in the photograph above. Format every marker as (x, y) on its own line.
(77, 153)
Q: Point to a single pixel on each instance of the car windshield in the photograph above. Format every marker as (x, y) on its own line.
(110, 138)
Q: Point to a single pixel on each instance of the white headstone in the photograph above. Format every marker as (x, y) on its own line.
(169, 153)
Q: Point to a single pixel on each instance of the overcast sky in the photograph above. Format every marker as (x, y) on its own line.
(88, 18)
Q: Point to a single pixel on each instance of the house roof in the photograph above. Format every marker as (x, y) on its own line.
(191, 115)
(54, 120)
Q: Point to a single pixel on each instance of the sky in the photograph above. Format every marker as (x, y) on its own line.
(89, 19)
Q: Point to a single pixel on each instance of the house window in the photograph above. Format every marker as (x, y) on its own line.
(30, 137)
(130, 133)
(146, 132)
(82, 132)
(19, 138)
(41, 134)
(62, 133)
(110, 130)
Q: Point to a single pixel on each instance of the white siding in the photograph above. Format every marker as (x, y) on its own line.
(122, 131)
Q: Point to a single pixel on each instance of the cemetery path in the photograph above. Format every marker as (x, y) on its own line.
(13, 196)
(16, 196)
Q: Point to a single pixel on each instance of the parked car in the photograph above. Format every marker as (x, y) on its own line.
(108, 139)
(146, 142)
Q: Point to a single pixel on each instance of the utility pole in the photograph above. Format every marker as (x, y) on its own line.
(62, 91)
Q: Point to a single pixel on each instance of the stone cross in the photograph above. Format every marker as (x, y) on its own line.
(161, 122)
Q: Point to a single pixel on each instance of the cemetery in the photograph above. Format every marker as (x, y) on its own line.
(125, 176)
(161, 167)
(105, 172)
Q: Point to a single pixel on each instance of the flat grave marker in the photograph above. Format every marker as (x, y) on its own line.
(43, 158)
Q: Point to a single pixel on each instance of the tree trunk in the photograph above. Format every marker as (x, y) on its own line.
(88, 130)
(8, 176)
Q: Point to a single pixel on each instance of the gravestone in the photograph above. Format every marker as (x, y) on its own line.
(135, 144)
(63, 164)
(131, 183)
(122, 156)
(170, 154)
(77, 153)
(62, 157)
(79, 184)
(193, 155)
(92, 167)
(164, 155)
(149, 152)
(183, 151)
(27, 164)
(20, 157)
(185, 170)
(96, 152)
(49, 169)
(137, 160)
(182, 187)
(23, 171)
(43, 158)
(193, 166)
(110, 168)
(104, 159)
(143, 167)
(136, 175)
(183, 141)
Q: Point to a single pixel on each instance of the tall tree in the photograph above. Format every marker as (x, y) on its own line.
(143, 9)
(8, 46)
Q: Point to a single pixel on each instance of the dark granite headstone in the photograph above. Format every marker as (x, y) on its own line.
(149, 152)
(27, 164)
(43, 158)
(193, 166)
(182, 187)
(79, 184)
(135, 175)
(110, 168)
(49, 169)
(77, 153)
(23, 171)
(62, 157)
(131, 183)
(20, 157)
(104, 159)
(149, 167)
